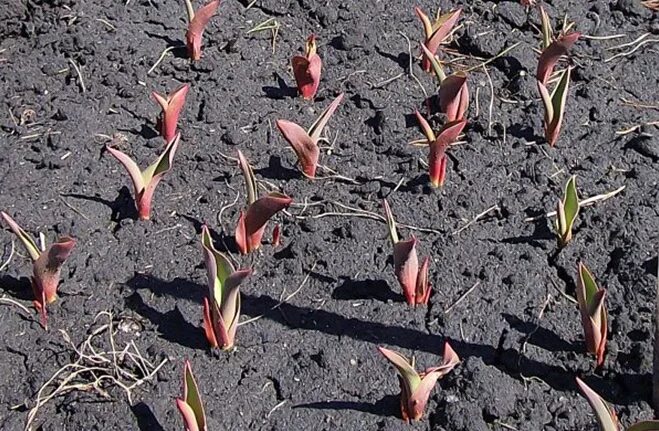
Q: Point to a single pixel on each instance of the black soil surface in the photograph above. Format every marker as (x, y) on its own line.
(310, 361)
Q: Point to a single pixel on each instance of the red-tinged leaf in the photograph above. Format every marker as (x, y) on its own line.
(422, 293)
(192, 396)
(437, 157)
(558, 99)
(209, 329)
(152, 176)
(593, 313)
(552, 54)
(317, 127)
(434, 63)
(606, 416)
(171, 110)
(196, 28)
(305, 148)
(27, 241)
(425, 21)
(47, 267)
(441, 30)
(250, 179)
(251, 225)
(545, 28)
(425, 127)
(454, 96)
(189, 419)
(406, 267)
(404, 366)
(307, 73)
(132, 169)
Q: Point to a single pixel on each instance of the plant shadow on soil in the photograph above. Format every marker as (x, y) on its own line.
(122, 207)
(17, 288)
(146, 420)
(173, 327)
(389, 405)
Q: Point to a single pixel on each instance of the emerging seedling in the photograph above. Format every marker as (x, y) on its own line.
(145, 182)
(222, 306)
(566, 213)
(415, 387)
(606, 416)
(190, 406)
(593, 313)
(454, 96)
(46, 265)
(554, 101)
(305, 144)
(412, 279)
(438, 145)
(306, 69)
(436, 33)
(171, 109)
(251, 224)
(197, 22)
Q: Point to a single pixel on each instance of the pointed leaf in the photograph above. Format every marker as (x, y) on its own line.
(250, 179)
(27, 241)
(218, 267)
(258, 214)
(391, 222)
(425, 21)
(434, 63)
(152, 176)
(196, 28)
(425, 127)
(441, 30)
(437, 157)
(406, 267)
(552, 54)
(192, 396)
(454, 96)
(305, 148)
(547, 103)
(422, 284)
(209, 329)
(171, 110)
(307, 71)
(189, 418)
(46, 268)
(131, 167)
(230, 308)
(546, 28)
(317, 127)
(571, 203)
(558, 101)
(404, 366)
(604, 413)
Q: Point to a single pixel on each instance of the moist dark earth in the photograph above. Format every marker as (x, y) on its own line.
(310, 361)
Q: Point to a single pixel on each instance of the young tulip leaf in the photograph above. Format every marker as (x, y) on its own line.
(222, 306)
(305, 143)
(197, 22)
(416, 387)
(250, 179)
(251, 224)
(46, 265)
(434, 63)
(425, 128)
(436, 33)
(546, 28)
(454, 96)
(593, 313)
(554, 102)
(190, 406)
(606, 416)
(307, 70)
(437, 156)
(567, 212)
(171, 109)
(145, 182)
(422, 284)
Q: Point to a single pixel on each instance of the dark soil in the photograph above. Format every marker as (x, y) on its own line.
(312, 362)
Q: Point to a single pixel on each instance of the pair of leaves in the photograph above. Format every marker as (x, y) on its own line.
(415, 387)
(190, 406)
(436, 32)
(46, 265)
(252, 222)
(593, 313)
(171, 109)
(222, 306)
(606, 416)
(438, 145)
(307, 69)
(305, 143)
(412, 278)
(566, 212)
(554, 102)
(197, 22)
(145, 182)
